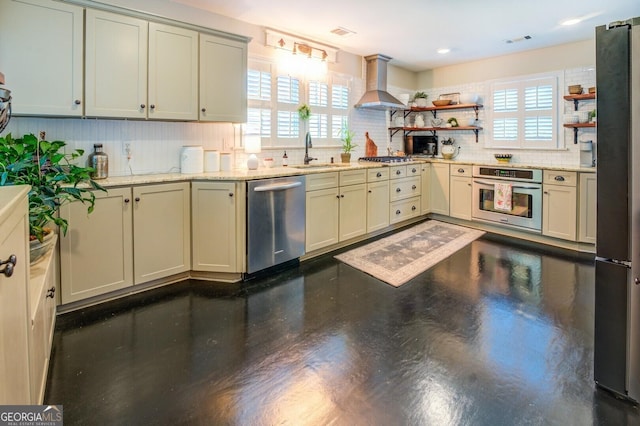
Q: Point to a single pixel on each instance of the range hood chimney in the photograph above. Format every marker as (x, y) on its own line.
(376, 96)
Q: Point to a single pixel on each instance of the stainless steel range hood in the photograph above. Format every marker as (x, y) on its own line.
(376, 96)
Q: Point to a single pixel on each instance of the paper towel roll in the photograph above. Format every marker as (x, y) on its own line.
(211, 161)
(225, 162)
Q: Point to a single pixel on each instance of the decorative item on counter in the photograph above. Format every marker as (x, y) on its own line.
(346, 136)
(268, 162)
(99, 162)
(211, 161)
(575, 89)
(420, 98)
(191, 159)
(453, 122)
(448, 151)
(252, 146)
(503, 158)
(285, 159)
(371, 150)
(419, 121)
(54, 183)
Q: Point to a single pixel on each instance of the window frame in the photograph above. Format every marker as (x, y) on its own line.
(556, 79)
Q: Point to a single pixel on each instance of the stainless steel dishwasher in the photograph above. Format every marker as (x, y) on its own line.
(275, 221)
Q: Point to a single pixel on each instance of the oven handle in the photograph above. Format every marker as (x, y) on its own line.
(513, 186)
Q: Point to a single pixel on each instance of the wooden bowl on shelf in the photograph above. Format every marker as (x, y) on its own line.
(576, 89)
(441, 102)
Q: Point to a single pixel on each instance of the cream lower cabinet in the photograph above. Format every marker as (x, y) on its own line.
(217, 215)
(353, 216)
(425, 183)
(460, 191)
(404, 193)
(15, 385)
(559, 204)
(587, 206)
(323, 211)
(42, 56)
(98, 254)
(377, 199)
(161, 231)
(439, 188)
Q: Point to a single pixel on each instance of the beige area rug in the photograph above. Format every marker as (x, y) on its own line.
(399, 257)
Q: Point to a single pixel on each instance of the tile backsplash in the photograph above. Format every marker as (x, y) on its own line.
(155, 146)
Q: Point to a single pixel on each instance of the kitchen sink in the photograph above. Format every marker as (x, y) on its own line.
(319, 165)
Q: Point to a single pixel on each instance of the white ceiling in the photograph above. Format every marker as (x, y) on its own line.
(411, 31)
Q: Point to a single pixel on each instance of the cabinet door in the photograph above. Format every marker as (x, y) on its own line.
(214, 216)
(353, 219)
(41, 50)
(322, 218)
(14, 311)
(559, 211)
(439, 181)
(173, 73)
(115, 77)
(377, 205)
(161, 231)
(460, 205)
(587, 219)
(223, 79)
(425, 200)
(96, 255)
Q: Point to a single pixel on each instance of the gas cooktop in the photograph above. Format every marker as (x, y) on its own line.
(386, 159)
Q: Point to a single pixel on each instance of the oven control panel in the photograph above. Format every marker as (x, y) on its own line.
(507, 173)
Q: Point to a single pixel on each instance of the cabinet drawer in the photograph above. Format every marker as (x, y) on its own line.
(414, 170)
(558, 177)
(460, 170)
(404, 209)
(378, 174)
(397, 172)
(353, 177)
(321, 181)
(404, 188)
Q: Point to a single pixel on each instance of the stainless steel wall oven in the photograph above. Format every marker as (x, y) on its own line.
(526, 201)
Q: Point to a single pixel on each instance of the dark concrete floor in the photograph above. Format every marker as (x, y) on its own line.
(497, 334)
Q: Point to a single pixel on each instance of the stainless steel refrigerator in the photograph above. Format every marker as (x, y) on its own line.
(617, 288)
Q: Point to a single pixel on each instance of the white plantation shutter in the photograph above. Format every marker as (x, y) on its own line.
(259, 82)
(523, 113)
(287, 120)
(338, 122)
(318, 94)
(258, 85)
(318, 125)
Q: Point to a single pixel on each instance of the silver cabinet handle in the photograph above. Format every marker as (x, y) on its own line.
(231, 194)
(398, 172)
(152, 106)
(378, 174)
(142, 106)
(77, 102)
(9, 265)
(413, 208)
(398, 212)
(413, 187)
(413, 170)
(137, 199)
(203, 110)
(460, 170)
(126, 200)
(398, 190)
(559, 178)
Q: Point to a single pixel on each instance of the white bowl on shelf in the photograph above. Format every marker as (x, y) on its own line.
(469, 98)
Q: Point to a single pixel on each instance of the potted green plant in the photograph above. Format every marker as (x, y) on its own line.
(346, 136)
(55, 181)
(420, 99)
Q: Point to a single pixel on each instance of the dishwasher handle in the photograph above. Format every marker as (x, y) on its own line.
(277, 187)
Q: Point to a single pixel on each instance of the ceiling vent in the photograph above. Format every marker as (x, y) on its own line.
(342, 32)
(518, 39)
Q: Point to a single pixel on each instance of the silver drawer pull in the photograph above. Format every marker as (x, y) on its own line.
(460, 170)
(9, 265)
(378, 174)
(559, 178)
(398, 172)
(398, 189)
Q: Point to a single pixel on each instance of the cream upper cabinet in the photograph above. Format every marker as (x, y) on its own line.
(559, 204)
(161, 231)
(223, 79)
(173, 73)
(587, 213)
(96, 255)
(439, 188)
(41, 48)
(115, 65)
(14, 311)
(460, 191)
(216, 212)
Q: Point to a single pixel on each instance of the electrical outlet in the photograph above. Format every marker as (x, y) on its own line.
(126, 149)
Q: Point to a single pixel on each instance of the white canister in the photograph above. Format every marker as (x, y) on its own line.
(191, 159)
(211, 161)
(225, 162)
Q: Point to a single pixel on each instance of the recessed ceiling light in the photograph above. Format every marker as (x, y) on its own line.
(443, 51)
(572, 21)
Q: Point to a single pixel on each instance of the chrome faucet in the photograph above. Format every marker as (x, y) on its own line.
(307, 145)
